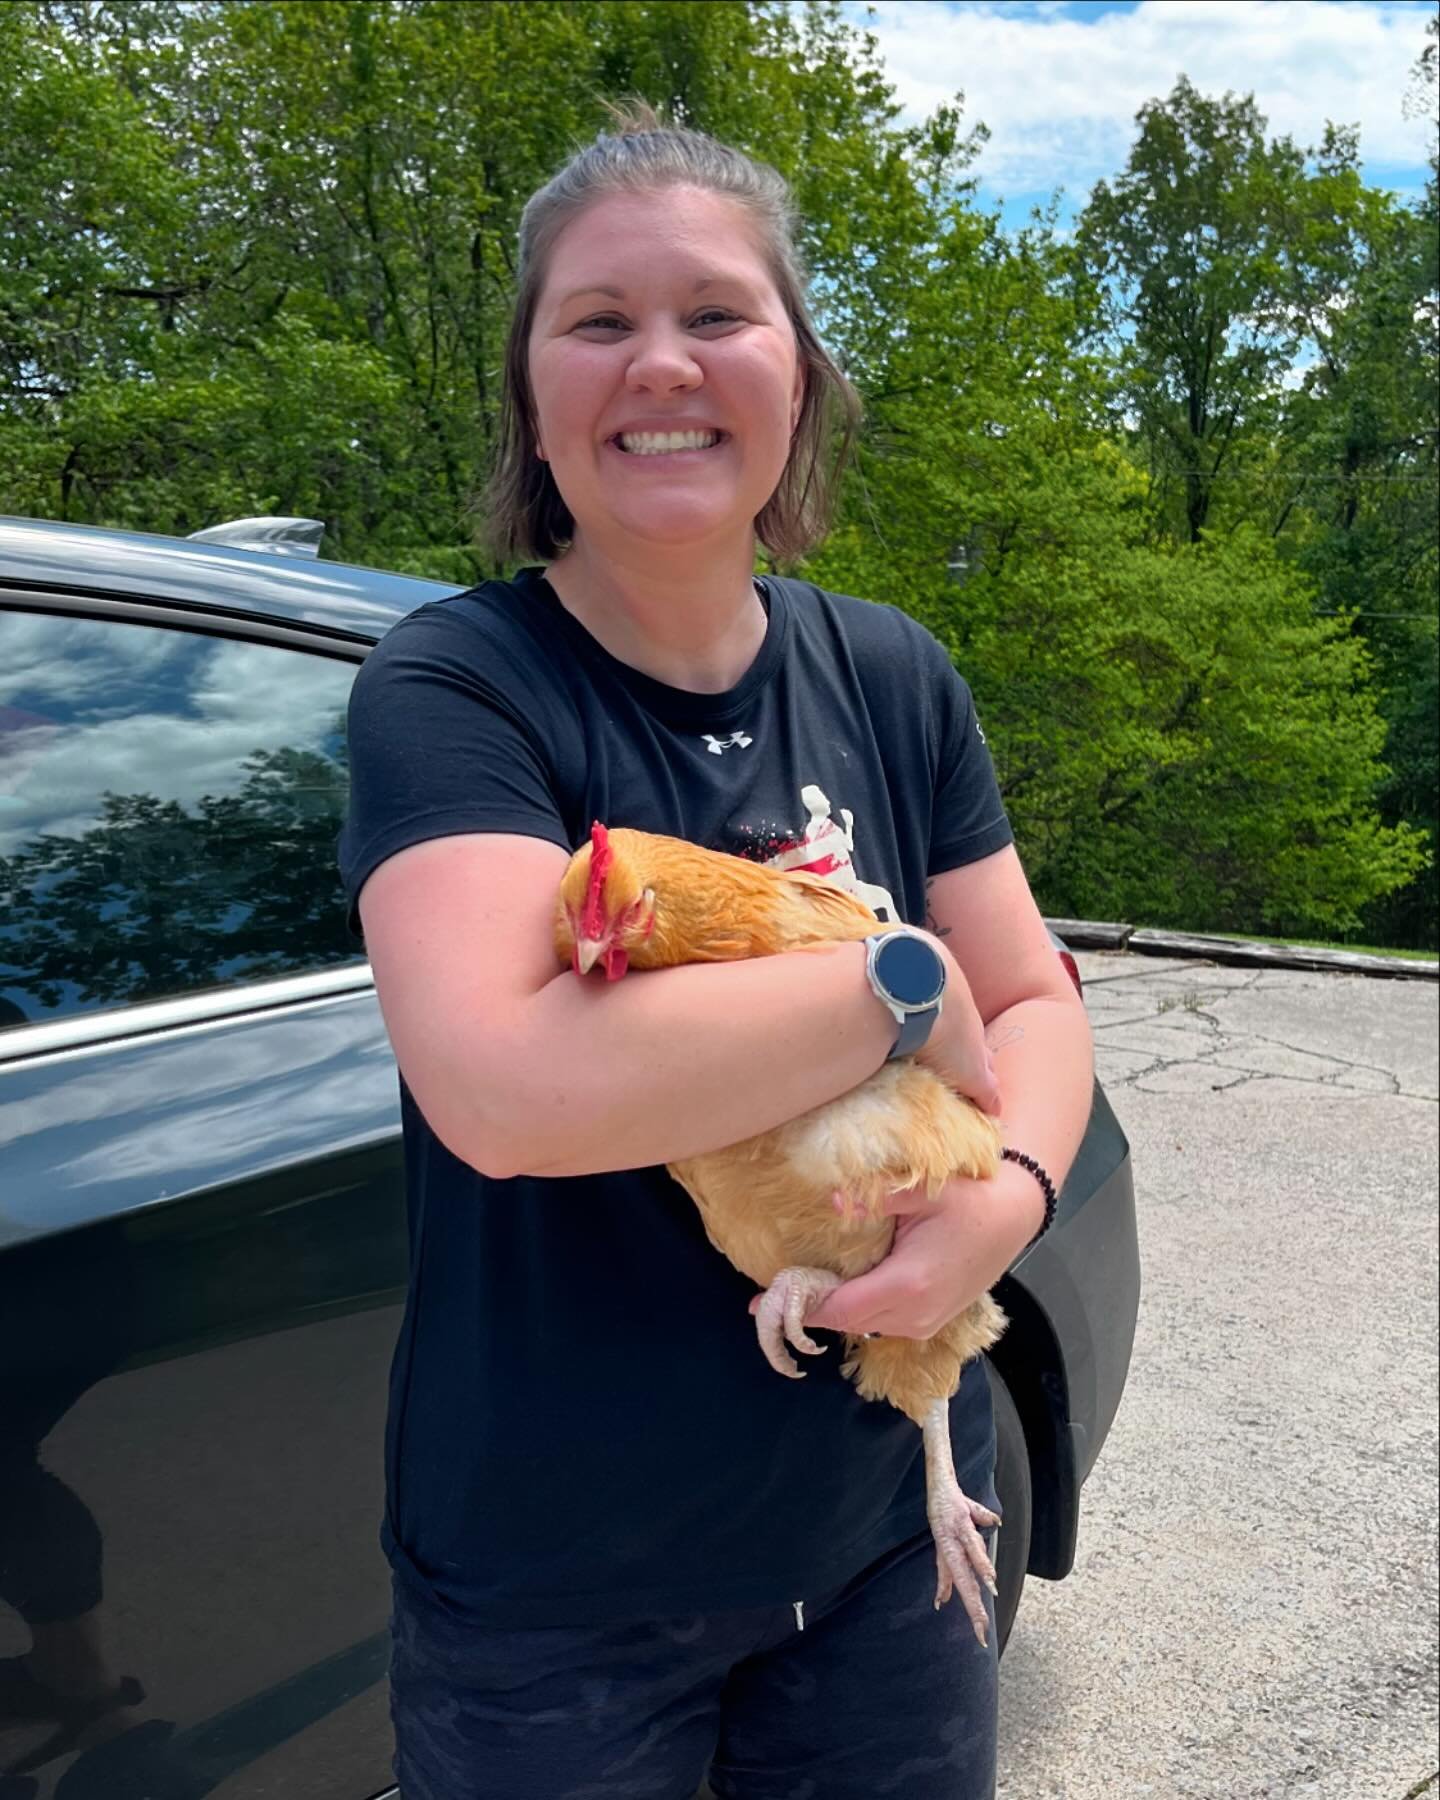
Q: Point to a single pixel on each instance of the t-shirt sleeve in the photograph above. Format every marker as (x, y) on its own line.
(438, 748)
(968, 816)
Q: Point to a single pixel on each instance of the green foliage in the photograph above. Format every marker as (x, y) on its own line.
(1362, 434)
(1195, 745)
(1234, 259)
(260, 258)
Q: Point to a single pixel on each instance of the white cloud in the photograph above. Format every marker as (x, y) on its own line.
(198, 708)
(1059, 92)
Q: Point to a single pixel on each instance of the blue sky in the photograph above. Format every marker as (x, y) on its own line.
(1059, 82)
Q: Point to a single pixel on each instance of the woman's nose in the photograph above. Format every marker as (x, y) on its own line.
(661, 359)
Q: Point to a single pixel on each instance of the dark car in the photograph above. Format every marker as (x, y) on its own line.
(202, 1238)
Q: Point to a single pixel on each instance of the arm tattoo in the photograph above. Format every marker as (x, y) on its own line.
(1004, 1036)
(935, 930)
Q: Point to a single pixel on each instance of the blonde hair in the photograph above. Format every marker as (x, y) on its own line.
(523, 516)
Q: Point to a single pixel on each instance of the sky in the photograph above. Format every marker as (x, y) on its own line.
(1059, 82)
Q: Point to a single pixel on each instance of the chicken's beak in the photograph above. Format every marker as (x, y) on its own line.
(588, 952)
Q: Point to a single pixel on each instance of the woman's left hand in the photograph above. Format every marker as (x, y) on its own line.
(947, 1253)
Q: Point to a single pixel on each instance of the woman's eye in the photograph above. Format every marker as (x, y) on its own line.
(609, 322)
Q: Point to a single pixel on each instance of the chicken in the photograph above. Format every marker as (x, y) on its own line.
(799, 1208)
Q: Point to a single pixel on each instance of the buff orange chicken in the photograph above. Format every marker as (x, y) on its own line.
(799, 1209)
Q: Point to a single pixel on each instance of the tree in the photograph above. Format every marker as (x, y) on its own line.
(1320, 426)
(1361, 442)
(1188, 246)
(1177, 737)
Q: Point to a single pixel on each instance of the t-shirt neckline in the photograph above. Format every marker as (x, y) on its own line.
(679, 705)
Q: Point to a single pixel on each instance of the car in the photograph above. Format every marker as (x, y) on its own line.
(202, 1234)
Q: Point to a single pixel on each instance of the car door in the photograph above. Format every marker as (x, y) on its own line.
(201, 1222)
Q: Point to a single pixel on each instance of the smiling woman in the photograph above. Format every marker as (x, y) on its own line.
(601, 230)
(574, 1346)
(667, 423)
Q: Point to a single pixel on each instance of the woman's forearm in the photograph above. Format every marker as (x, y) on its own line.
(672, 1063)
(1044, 1058)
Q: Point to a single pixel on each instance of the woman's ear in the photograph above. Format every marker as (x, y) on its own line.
(797, 402)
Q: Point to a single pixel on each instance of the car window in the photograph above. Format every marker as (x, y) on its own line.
(169, 804)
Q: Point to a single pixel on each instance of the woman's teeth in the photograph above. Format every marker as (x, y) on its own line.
(660, 443)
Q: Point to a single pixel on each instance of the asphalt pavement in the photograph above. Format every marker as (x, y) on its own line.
(1253, 1610)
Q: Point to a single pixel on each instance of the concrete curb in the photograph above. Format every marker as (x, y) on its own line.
(1090, 934)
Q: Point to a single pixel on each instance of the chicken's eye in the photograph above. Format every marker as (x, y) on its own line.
(639, 916)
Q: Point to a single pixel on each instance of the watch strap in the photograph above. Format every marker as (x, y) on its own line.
(914, 1031)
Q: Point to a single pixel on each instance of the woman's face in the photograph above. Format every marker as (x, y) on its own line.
(658, 315)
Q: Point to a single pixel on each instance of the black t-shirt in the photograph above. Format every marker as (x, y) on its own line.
(582, 1427)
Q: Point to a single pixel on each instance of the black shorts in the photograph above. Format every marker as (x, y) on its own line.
(878, 1694)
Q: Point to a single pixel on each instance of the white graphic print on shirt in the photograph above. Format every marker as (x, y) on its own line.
(718, 746)
(825, 849)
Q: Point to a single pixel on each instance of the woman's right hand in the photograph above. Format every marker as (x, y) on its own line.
(956, 1048)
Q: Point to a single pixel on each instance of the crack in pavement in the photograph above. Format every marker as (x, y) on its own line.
(1186, 1053)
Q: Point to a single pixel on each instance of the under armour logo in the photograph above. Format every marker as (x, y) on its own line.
(717, 746)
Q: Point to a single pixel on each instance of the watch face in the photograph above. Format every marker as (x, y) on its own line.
(910, 970)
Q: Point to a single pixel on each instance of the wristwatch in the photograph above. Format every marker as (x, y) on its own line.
(908, 975)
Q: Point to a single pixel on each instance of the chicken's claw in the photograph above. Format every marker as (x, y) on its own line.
(961, 1559)
(781, 1316)
(962, 1562)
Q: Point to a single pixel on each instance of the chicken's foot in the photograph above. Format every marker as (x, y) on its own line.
(781, 1316)
(961, 1559)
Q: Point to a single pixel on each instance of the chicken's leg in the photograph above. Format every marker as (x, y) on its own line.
(956, 1521)
(781, 1316)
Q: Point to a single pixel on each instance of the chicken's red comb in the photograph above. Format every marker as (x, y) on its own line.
(592, 917)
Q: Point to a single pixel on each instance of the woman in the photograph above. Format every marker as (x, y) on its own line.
(624, 1552)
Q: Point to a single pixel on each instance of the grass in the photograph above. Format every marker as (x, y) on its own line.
(1190, 1000)
(1249, 937)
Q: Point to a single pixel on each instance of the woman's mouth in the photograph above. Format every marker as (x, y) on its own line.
(667, 443)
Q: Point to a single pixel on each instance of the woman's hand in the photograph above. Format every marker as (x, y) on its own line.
(947, 1253)
(956, 1049)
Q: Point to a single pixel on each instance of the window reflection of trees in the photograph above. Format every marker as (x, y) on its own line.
(159, 898)
(169, 804)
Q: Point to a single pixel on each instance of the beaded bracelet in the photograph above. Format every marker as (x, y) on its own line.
(1047, 1187)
